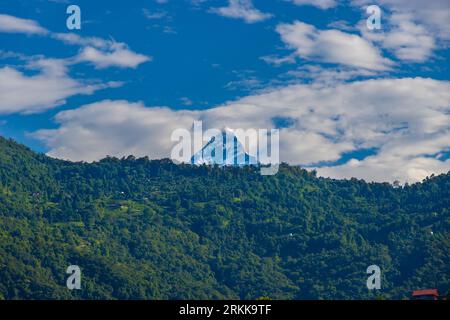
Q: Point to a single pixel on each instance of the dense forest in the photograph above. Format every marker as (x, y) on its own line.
(142, 229)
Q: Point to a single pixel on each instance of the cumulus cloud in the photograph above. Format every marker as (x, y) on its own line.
(103, 53)
(406, 120)
(116, 128)
(332, 46)
(22, 93)
(410, 28)
(434, 15)
(119, 56)
(319, 74)
(11, 24)
(407, 40)
(100, 52)
(75, 39)
(25, 92)
(390, 166)
(242, 9)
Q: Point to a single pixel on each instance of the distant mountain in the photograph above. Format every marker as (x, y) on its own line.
(230, 152)
(141, 229)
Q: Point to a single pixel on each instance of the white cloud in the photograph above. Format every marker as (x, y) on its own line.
(119, 56)
(75, 39)
(186, 101)
(13, 24)
(100, 52)
(323, 4)
(435, 14)
(341, 25)
(318, 74)
(407, 40)
(154, 15)
(103, 53)
(411, 29)
(332, 46)
(22, 93)
(242, 9)
(116, 128)
(388, 167)
(279, 60)
(407, 120)
(51, 86)
(162, 20)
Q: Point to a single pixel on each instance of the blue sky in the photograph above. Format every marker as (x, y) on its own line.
(373, 104)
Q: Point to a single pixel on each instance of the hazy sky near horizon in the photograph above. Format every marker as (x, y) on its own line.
(349, 101)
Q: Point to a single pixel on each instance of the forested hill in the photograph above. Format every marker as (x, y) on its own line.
(143, 229)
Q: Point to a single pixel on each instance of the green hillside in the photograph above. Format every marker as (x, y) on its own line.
(143, 229)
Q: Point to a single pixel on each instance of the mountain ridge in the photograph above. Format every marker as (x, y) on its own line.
(143, 229)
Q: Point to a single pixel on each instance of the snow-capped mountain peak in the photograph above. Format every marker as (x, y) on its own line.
(223, 149)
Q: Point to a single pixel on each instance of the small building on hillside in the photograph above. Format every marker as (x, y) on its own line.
(426, 294)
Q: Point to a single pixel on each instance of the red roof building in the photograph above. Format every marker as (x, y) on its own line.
(427, 293)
